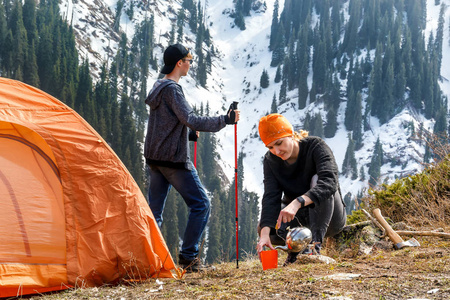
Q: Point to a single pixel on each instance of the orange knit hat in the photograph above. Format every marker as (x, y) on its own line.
(273, 127)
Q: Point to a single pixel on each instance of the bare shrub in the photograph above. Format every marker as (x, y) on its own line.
(422, 199)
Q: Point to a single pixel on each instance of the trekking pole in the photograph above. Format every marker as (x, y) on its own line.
(236, 187)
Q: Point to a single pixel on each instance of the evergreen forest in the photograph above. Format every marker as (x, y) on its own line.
(377, 47)
(374, 56)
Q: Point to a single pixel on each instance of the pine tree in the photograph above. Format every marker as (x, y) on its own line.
(182, 215)
(208, 62)
(29, 21)
(376, 163)
(376, 86)
(84, 94)
(335, 23)
(130, 10)
(228, 228)
(193, 19)
(119, 7)
(31, 75)
(44, 58)
(214, 231)
(180, 25)
(115, 135)
(283, 93)
(415, 93)
(274, 106)
(303, 85)
(400, 87)
(278, 47)
(3, 33)
(249, 218)
(440, 127)
(246, 6)
(278, 75)
(20, 41)
(239, 14)
(357, 124)
(386, 110)
(264, 80)
(362, 174)
(121, 58)
(350, 110)
(406, 53)
(319, 67)
(427, 91)
(201, 73)
(68, 94)
(351, 31)
(274, 27)
(331, 125)
(172, 35)
(291, 67)
(317, 126)
(349, 166)
(170, 217)
(307, 122)
(313, 93)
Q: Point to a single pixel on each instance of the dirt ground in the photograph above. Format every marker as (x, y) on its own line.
(409, 273)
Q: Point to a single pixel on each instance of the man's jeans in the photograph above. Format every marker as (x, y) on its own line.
(188, 184)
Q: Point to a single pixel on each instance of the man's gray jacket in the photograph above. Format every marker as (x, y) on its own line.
(170, 116)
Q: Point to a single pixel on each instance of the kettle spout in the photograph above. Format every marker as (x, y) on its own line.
(284, 248)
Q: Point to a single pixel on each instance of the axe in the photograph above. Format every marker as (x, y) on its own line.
(398, 241)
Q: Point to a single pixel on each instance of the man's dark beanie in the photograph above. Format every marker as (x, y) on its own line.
(172, 55)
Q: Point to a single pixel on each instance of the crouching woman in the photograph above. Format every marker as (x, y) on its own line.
(301, 186)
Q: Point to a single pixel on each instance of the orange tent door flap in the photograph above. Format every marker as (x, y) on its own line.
(32, 221)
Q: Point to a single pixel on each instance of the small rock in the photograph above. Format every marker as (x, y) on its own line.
(364, 249)
(304, 258)
(342, 276)
(368, 235)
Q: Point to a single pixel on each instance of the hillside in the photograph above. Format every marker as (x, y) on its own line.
(238, 60)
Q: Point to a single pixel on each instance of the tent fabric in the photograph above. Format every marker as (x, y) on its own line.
(71, 215)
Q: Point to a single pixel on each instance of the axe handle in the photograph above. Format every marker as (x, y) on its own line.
(389, 231)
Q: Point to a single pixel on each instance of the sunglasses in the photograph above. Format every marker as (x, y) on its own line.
(191, 61)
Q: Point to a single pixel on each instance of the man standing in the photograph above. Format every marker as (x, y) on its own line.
(166, 151)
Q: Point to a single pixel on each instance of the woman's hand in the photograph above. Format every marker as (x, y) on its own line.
(264, 240)
(288, 213)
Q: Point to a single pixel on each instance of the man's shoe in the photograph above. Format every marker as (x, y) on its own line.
(193, 265)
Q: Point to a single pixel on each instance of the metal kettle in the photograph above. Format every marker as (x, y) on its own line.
(297, 239)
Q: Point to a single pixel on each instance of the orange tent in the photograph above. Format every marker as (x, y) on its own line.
(71, 214)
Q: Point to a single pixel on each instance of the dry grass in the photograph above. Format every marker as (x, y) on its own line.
(419, 200)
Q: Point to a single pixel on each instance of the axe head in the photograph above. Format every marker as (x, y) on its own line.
(409, 243)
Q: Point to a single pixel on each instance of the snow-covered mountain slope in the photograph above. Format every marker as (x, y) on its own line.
(236, 72)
